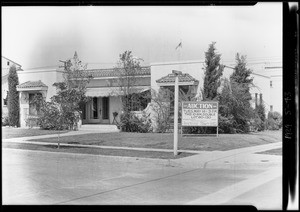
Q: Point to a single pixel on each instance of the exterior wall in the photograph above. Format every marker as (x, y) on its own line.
(24, 107)
(276, 89)
(47, 76)
(276, 93)
(4, 87)
(115, 105)
(113, 82)
(6, 64)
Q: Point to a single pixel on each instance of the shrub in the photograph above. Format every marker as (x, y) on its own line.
(259, 117)
(129, 122)
(5, 120)
(274, 121)
(226, 124)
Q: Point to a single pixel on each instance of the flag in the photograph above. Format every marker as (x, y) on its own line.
(179, 45)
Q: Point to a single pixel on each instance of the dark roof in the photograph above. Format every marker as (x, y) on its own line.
(170, 78)
(115, 72)
(32, 84)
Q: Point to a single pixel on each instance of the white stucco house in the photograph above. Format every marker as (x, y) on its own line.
(105, 95)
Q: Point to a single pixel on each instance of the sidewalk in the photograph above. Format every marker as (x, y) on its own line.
(236, 158)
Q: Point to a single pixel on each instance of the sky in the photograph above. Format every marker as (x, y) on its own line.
(41, 36)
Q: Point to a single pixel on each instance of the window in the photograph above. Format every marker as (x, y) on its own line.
(95, 108)
(105, 106)
(271, 85)
(33, 109)
(7, 63)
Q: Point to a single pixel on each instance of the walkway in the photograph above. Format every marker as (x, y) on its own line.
(202, 159)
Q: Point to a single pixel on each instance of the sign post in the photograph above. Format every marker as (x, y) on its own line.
(196, 114)
(176, 117)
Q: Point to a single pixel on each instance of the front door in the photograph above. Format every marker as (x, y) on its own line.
(94, 111)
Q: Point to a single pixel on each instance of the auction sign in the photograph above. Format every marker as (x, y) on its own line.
(200, 114)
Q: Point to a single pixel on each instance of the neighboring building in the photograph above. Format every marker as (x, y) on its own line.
(5, 66)
(105, 93)
(275, 85)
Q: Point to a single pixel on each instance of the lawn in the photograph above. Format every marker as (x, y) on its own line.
(97, 151)
(165, 141)
(12, 132)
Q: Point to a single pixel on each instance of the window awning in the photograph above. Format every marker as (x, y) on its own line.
(113, 91)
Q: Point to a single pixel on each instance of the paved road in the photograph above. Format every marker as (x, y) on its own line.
(33, 177)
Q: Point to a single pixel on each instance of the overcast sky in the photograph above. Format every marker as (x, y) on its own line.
(41, 36)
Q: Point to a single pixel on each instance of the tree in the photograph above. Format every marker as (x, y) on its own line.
(234, 101)
(13, 104)
(128, 68)
(213, 73)
(260, 112)
(160, 106)
(66, 104)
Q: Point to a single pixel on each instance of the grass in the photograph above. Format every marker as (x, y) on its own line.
(165, 141)
(97, 151)
(11, 132)
(277, 151)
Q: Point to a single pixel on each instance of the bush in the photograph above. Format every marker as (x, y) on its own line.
(226, 124)
(259, 120)
(5, 120)
(129, 122)
(274, 121)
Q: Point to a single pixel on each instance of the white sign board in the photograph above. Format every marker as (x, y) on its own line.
(200, 114)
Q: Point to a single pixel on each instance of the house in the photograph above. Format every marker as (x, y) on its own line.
(104, 92)
(5, 66)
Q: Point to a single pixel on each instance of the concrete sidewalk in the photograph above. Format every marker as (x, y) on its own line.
(236, 158)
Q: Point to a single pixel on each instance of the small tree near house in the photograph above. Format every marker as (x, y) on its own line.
(128, 68)
(213, 71)
(234, 101)
(212, 74)
(13, 103)
(63, 111)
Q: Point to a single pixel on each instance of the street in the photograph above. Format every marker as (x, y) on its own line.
(37, 178)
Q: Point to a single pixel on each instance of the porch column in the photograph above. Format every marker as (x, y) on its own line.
(24, 107)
